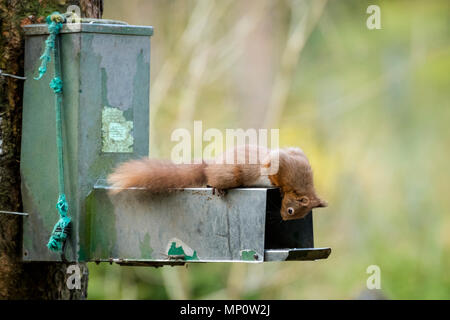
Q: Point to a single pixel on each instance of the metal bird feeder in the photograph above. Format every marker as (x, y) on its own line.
(106, 76)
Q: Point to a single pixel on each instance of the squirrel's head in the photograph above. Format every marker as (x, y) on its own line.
(297, 206)
(294, 176)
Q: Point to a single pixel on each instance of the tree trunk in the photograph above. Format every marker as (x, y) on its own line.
(25, 280)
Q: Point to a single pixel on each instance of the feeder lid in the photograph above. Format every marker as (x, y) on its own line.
(93, 26)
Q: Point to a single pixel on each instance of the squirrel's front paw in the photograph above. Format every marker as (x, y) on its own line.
(219, 192)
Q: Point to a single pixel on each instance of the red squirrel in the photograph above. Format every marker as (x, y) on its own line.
(251, 166)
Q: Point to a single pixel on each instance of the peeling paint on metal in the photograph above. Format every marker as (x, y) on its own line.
(248, 255)
(179, 248)
(116, 131)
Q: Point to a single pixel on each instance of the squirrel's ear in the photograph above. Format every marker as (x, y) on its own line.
(321, 203)
(265, 162)
(270, 163)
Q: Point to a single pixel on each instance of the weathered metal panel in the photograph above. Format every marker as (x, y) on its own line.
(38, 150)
(102, 66)
(189, 225)
(194, 225)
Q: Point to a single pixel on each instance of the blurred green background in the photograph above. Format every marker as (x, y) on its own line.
(369, 107)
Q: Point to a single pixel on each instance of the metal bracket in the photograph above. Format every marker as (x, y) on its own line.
(297, 254)
(2, 74)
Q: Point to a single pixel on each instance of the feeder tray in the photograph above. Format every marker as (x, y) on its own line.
(194, 225)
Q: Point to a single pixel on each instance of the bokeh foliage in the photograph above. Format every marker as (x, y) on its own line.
(369, 107)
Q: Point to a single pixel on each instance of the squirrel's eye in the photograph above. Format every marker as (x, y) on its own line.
(290, 211)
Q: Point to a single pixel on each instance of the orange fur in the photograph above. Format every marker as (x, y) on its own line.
(156, 175)
(294, 176)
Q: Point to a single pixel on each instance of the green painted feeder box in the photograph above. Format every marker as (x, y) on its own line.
(106, 76)
(195, 225)
(105, 72)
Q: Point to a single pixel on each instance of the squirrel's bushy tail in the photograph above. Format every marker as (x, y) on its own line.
(156, 175)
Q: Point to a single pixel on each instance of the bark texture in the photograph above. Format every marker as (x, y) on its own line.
(25, 280)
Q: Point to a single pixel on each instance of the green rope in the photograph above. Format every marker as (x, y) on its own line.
(62, 227)
(56, 84)
(54, 22)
